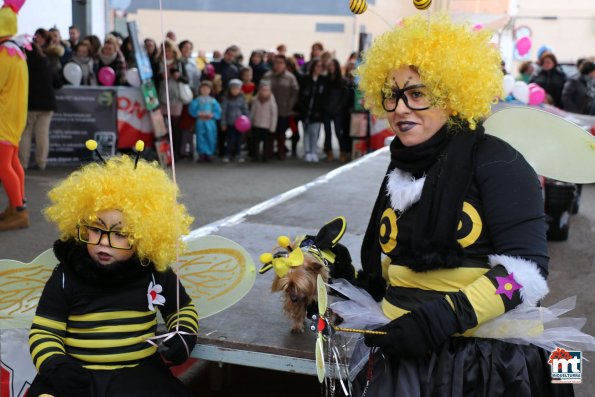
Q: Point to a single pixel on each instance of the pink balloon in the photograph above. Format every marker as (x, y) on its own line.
(106, 76)
(242, 124)
(523, 45)
(536, 94)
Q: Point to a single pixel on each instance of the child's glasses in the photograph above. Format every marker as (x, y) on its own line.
(93, 235)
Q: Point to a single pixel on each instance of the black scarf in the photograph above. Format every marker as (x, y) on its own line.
(447, 159)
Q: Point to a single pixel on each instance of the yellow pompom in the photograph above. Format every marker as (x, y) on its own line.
(283, 241)
(139, 146)
(91, 144)
(422, 4)
(265, 258)
(358, 6)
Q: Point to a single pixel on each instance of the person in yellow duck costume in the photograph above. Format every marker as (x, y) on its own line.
(14, 87)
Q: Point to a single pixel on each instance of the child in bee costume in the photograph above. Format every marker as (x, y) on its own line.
(119, 225)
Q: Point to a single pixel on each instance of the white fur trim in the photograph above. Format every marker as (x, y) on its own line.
(403, 189)
(527, 274)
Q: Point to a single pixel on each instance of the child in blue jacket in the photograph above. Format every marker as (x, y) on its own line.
(207, 111)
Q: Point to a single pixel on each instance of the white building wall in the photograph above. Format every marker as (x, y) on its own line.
(49, 13)
(45, 14)
(571, 35)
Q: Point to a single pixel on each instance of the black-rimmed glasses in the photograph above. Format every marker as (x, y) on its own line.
(415, 97)
(93, 235)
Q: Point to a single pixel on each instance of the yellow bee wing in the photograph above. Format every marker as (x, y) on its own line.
(216, 272)
(21, 285)
(555, 147)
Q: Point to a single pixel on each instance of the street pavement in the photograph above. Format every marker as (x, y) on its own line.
(217, 191)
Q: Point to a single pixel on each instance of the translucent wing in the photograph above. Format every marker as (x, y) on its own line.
(320, 370)
(322, 296)
(556, 148)
(216, 272)
(21, 285)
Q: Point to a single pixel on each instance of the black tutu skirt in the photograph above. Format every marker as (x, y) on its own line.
(463, 367)
(151, 378)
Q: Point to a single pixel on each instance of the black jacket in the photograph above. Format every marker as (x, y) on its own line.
(552, 82)
(42, 82)
(575, 96)
(312, 95)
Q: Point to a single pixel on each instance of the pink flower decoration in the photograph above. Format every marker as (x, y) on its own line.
(153, 295)
(507, 285)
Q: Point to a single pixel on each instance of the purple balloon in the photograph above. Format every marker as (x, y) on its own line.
(523, 45)
(106, 76)
(242, 124)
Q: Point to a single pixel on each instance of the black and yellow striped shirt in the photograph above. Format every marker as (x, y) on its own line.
(103, 326)
(502, 214)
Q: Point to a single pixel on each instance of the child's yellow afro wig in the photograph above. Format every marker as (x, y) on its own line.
(458, 65)
(146, 196)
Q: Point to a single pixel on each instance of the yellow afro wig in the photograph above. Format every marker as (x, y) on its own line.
(458, 65)
(146, 196)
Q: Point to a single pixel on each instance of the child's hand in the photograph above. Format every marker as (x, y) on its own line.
(67, 377)
(179, 347)
(223, 127)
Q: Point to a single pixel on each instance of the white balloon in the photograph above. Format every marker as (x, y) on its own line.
(133, 77)
(508, 84)
(73, 73)
(520, 91)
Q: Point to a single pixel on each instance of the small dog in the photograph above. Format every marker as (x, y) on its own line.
(298, 264)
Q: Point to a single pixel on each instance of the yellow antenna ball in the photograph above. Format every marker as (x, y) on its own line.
(358, 6)
(139, 146)
(422, 4)
(91, 144)
(283, 241)
(265, 258)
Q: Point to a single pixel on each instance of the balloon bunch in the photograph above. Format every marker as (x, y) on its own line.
(527, 94)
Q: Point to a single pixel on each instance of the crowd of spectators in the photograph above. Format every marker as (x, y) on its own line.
(283, 93)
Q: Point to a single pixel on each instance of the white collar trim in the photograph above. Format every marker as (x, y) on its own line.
(403, 189)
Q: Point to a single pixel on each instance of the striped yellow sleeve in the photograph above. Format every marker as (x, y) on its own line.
(186, 318)
(46, 338)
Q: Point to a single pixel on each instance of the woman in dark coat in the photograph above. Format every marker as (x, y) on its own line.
(42, 104)
(577, 94)
(312, 94)
(551, 78)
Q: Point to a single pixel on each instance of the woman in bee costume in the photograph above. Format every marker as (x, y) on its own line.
(459, 218)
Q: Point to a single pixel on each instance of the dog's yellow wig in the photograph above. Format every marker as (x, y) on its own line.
(146, 196)
(458, 65)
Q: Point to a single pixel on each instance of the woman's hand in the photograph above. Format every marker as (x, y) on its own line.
(417, 333)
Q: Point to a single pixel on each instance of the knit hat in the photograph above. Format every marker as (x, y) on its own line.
(235, 83)
(8, 17)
